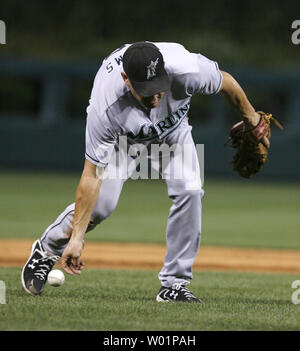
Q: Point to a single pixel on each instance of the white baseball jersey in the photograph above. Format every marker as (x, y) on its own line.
(117, 113)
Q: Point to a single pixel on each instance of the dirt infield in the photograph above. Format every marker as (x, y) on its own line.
(139, 256)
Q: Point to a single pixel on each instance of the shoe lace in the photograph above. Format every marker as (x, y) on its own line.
(44, 269)
(186, 292)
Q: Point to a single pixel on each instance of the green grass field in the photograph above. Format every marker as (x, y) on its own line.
(238, 213)
(125, 300)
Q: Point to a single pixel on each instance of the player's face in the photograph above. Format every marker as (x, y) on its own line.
(148, 101)
(152, 101)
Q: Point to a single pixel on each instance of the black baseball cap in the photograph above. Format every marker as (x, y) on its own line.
(144, 65)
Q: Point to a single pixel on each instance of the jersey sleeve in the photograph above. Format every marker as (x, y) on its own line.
(202, 76)
(100, 139)
(208, 78)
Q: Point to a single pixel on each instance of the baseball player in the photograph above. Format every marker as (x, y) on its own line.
(141, 91)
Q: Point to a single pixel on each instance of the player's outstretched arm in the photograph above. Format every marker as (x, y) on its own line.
(232, 92)
(86, 197)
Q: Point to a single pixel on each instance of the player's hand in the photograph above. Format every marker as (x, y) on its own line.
(70, 260)
(252, 121)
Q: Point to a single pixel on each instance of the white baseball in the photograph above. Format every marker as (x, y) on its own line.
(56, 277)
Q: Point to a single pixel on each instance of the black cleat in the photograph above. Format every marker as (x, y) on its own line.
(177, 293)
(36, 270)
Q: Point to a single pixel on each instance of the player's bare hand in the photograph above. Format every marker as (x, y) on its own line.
(70, 260)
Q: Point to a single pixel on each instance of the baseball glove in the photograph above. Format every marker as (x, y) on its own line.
(251, 145)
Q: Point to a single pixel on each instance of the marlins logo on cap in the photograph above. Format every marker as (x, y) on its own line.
(151, 69)
(144, 65)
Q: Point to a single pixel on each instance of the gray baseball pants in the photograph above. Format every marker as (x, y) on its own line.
(184, 222)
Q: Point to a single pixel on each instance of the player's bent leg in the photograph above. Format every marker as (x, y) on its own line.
(57, 235)
(107, 201)
(47, 250)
